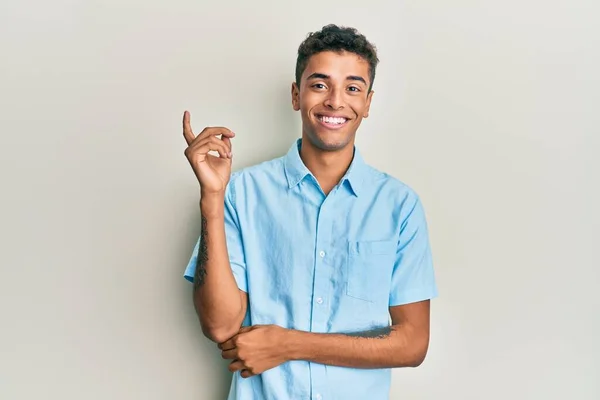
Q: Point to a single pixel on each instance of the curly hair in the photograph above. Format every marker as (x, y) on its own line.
(336, 38)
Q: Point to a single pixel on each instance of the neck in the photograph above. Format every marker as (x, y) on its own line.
(328, 167)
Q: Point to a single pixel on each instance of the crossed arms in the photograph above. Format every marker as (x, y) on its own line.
(256, 349)
(221, 308)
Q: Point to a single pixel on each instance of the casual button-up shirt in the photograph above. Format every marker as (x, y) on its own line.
(323, 263)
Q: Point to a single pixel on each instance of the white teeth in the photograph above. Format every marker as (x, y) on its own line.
(333, 120)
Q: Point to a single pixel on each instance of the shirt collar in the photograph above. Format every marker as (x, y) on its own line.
(296, 171)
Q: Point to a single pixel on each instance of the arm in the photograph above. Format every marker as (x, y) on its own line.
(220, 305)
(403, 344)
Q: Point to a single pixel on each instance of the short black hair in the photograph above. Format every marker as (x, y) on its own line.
(336, 38)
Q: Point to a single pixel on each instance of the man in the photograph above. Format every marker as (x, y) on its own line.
(303, 259)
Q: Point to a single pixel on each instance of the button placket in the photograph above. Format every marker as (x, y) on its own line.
(321, 290)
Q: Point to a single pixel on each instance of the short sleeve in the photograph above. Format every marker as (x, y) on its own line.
(235, 247)
(413, 276)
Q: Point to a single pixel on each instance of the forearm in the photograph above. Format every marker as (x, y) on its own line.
(216, 296)
(395, 346)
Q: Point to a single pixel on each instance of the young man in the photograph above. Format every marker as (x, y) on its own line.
(303, 259)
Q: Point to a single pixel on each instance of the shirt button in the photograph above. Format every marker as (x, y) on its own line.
(320, 300)
(322, 253)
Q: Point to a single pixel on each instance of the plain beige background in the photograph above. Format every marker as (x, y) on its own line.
(489, 109)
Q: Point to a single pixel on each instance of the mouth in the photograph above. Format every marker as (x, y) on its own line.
(332, 122)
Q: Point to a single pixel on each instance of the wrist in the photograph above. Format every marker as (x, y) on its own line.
(212, 205)
(293, 344)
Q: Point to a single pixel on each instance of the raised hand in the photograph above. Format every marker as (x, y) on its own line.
(213, 172)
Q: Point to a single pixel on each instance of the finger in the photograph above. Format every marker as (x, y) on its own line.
(187, 128)
(236, 365)
(227, 142)
(211, 144)
(229, 354)
(246, 374)
(228, 345)
(215, 131)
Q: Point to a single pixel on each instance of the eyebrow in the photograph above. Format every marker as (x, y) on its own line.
(318, 75)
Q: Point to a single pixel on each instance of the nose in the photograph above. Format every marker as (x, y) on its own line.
(334, 100)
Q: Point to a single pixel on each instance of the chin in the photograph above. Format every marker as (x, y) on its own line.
(328, 141)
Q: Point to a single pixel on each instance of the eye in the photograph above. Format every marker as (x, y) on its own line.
(354, 89)
(318, 86)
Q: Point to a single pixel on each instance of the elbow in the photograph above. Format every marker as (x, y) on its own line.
(413, 361)
(419, 357)
(418, 354)
(417, 360)
(221, 330)
(219, 335)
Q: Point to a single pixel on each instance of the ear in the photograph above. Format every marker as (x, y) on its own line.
(368, 106)
(295, 97)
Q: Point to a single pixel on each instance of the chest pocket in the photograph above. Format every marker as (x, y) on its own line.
(369, 269)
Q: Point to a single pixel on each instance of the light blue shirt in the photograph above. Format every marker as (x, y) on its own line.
(328, 264)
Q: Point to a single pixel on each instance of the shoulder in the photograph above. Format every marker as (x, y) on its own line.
(402, 199)
(264, 169)
(390, 186)
(261, 174)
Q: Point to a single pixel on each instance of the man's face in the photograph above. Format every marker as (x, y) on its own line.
(333, 98)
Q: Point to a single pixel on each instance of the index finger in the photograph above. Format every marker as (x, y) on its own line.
(217, 130)
(187, 128)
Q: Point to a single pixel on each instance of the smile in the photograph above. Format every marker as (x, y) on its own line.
(332, 122)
